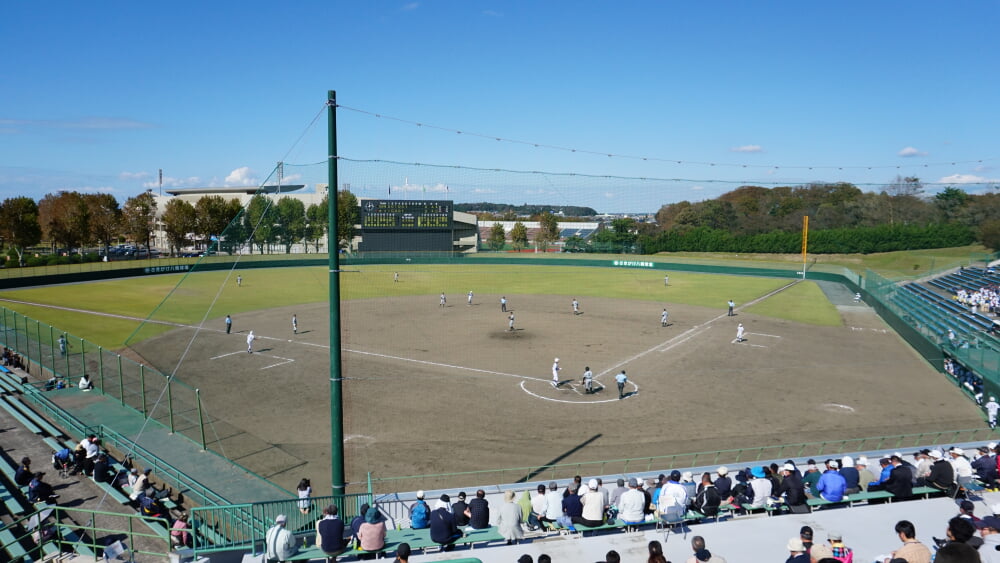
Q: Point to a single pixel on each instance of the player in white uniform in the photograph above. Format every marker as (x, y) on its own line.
(443, 300)
(576, 306)
(555, 373)
(510, 322)
(739, 333)
(992, 408)
(663, 318)
(295, 324)
(470, 298)
(250, 339)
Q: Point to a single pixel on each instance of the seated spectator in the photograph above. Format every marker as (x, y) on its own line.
(140, 484)
(707, 499)
(509, 521)
(419, 511)
(616, 494)
(851, 475)
(102, 469)
(797, 552)
(39, 490)
(62, 460)
(537, 509)
(461, 510)
(942, 474)
(150, 506)
(403, 551)
(961, 530)
(571, 507)
(593, 506)
(757, 493)
(479, 511)
(357, 521)
(673, 499)
(179, 536)
(330, 533)
(723, 484)
(962, 466)
(553, 506)
(632, 504)
(444, 531)
(811, 477)
(24, 474)
(840, 551)
(85, 383)
(792, 491)
(967, 510)
(831, 485)
(865, 475)
(371, 534)
(985, 466)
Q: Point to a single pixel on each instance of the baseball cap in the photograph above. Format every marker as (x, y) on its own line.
(835, 536)
(633, 482)
(967, 505)
(675, 475)
(281, 519)
(461, 495)
(757, 472)
(788, 467)
(989, 522)
(420, 494)
(806, 532)
(934, 454)
(834, 464)
(592, 484)
(820, 552)
(553, 486)
(722, 471)
(795, 544)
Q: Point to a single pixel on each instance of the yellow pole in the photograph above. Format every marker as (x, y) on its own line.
(805, 242)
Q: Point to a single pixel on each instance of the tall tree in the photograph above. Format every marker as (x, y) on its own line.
(519, 236)
(348, 215)
(179, 223)
(138, 217)
(497, 237)
(19, 224)
(317, 222)
(214, 216)
(260, 219)
(105, 218)
(64, 218)
(291, 226)
(951, 201)
(548, 232)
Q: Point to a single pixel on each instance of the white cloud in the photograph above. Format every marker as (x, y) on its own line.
(421, 188)
(133, 175)
(96, 189)
(610, 195)
(697, 188)
(910, 151)
(171, 182)
(242, 176)
(748, 148)
(483, 191)
(982, 168)
(410, 6)
(967, 179)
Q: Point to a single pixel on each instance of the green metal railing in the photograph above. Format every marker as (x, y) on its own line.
(85, 532)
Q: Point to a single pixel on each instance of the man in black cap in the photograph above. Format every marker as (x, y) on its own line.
(461, 510)
(806, 535)
(444, 532)
(702, 555)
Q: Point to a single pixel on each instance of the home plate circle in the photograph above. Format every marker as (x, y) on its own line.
(836, 407)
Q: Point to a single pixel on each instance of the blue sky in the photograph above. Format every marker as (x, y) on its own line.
(99, 96)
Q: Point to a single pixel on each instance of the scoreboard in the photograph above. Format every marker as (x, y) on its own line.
(405, 215)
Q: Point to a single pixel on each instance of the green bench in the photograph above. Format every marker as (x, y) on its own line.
(12, 546)
(867, 496)
(75, 541)
(31, 426)
(34, 417)
(820, 502)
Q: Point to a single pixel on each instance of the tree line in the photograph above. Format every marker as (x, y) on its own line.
(69, 220)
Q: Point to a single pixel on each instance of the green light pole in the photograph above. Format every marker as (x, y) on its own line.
(333, 247)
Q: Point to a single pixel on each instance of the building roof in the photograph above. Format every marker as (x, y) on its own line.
(250, 190)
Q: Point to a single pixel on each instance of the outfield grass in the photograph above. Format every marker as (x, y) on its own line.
(212, 295)
(803, 303)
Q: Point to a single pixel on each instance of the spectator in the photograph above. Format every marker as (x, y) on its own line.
(304, 491)
(840, 551)
(792, 490)
(402, 553)
(102, 469)
(989, 527)
(797, 552)
(371, 534)
(966, 509)
(179, 536)
(723, 483)
(961, 530)
(612, 557)
(279, 543)
(62, 460)
(444, 531)
(479, 511)
(912, 550)
(553, 505)
(571, 507)
(39, 490)
(673, 499)
(701, 553)
(811, 477)
(632, 504)
(758, 492)
(616, 494)
(460, 510)
(941, 475)
(865, 475)
(357, 521)
(85, 383)
(593, 506)
(419, 512)
(24, 474)
(963, 469)
(806, 535)
(509, 520)
(985, 466)
(831, 485)
(537, 509)
(330, 534)
(707, 499)
(851, 475)
(140, 485)
(957, 553)
(822, 553)
(656, 553)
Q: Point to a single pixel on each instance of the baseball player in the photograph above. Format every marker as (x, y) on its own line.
(555, 373)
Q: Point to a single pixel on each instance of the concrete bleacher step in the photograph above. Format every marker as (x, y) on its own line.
(34, 417)
(13, 549)
(28, 424)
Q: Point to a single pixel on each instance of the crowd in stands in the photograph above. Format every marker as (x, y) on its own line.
(985, 300)
(677, 497)
(12, 360)
(965, 377)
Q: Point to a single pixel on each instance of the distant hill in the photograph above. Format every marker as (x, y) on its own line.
(525, 210)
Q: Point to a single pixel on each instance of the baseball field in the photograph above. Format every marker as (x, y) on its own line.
(434, 389)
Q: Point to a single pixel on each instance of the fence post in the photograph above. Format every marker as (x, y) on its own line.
(170, 405)
(201, 419)
(38, 340)
(100, 366)
(121, 381)
(142, 389)
(83, 356)
(52, 350)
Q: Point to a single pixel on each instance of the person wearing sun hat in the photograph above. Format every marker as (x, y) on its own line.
(279, 542)
(942, 475)
(798, 552)
(961, 464)
(758, 491)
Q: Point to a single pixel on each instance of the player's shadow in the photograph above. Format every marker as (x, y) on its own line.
(304, 331)
(262, 350)
(577, 313)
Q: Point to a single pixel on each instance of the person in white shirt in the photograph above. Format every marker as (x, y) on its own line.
(553, 504)
(85, 383)
(673, 497)
(961, 465)
(632, 503)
